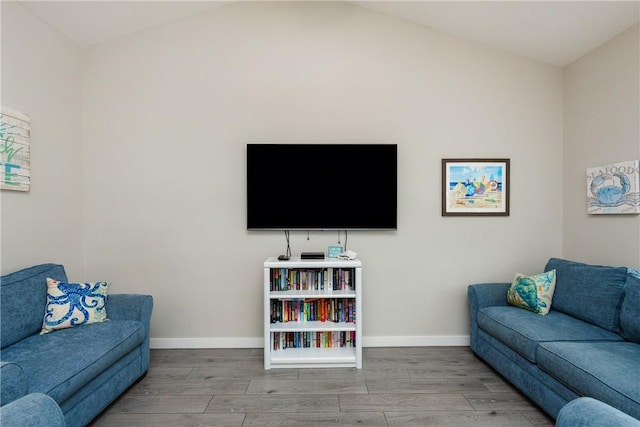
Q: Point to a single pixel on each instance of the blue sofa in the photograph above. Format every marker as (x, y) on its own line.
(83, 368)
(588, 412)
(587, 345)
(32, 410)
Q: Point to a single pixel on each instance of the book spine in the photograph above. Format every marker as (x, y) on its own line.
(335, 310)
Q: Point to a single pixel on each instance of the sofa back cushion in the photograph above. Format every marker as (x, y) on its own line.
(630, 310)
(23, 296)
(591, 293)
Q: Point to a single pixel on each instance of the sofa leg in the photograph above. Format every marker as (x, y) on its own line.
(141, 377)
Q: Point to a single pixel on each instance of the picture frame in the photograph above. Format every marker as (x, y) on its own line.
(475, 187)
(15, 150)
(334, 251)
(614, 188)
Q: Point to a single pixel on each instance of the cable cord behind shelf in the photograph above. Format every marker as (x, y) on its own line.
(286, 235)
(346, 236)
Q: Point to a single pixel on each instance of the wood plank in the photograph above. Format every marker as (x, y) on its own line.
(167, 372)
(491, 401)
(538, 418)
(272, 386)
(241, 371)
(403, 402)
(353, 374)
(171, 420)
(458, 419)
(460, 370)
(135, 404)
(338, 419)
(282, 403)
(426, 385)
(150, 387)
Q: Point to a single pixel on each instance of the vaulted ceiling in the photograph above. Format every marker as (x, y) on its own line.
(553, 32)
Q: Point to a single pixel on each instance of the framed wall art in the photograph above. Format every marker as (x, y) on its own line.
(15, 150)
(614, 188)
(475, 187)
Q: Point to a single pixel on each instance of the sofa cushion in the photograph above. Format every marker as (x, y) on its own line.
(23, 296)
(630, 310)
(589, 292)
(60, 363)
(74, 304)
(522, 330)
(607, 371)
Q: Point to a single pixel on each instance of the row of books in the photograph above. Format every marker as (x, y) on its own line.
(284, 340)
(326, 279)
(313, 309)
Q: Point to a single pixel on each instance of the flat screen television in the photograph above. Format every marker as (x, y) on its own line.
(322, 186)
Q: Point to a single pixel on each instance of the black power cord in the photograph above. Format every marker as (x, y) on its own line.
(286, 235)
(346, 237)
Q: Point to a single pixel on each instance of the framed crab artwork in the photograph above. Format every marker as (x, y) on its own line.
(614, 188)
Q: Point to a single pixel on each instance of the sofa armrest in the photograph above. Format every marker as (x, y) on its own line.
(35, 410)
(13, 384)
(129, 307)
(133, 307)
(488, 294)
(483, 295)
(587, 412)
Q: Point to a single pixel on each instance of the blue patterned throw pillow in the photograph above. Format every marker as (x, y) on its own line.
(73, 304)
(533, 292)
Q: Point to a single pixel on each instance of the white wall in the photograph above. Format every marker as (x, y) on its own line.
(602, 126)
(40, 77)
(167, 114)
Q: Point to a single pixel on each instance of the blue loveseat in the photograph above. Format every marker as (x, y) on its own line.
(587, 345)
(32, 410)
(588, 412)
(83, 368)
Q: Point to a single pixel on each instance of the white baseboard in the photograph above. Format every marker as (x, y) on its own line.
(415, 341)
(206, 342)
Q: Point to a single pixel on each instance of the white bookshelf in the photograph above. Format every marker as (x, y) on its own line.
(317, 343)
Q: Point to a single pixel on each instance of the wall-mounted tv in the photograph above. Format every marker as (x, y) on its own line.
(322, 186)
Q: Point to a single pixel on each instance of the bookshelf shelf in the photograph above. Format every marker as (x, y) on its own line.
(312, 294)
(312, 326)
(312, 313)
(313, 358)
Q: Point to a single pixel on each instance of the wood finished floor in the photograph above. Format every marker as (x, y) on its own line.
(408, 386)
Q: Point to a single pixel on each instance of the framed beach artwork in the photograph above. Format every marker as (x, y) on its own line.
(614, 188)
(15, 150)
(475, 187)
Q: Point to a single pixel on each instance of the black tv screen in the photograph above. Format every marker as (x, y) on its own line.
(322, 186)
